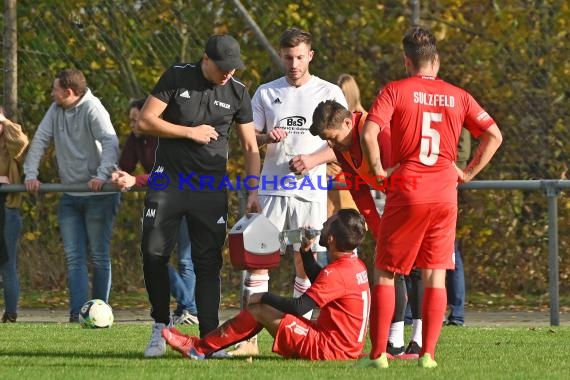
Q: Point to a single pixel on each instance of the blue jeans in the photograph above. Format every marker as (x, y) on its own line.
(12, 230)
(456, 289)
(183, 282)
(86, 224)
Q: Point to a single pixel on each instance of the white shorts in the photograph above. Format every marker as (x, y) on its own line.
(290, 213)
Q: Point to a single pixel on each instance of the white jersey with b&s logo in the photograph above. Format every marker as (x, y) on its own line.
(279, 104)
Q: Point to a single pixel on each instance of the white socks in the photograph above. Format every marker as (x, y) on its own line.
(396, 336)
(255, 283)
(417, 331)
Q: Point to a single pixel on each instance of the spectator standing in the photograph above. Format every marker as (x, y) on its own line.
(282, 110)
(191, 110)
(87, 150)
(425, 115)
(13, 143)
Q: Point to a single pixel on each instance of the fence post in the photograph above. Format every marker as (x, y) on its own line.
(415, 12)
(552, 192)
(10, 51)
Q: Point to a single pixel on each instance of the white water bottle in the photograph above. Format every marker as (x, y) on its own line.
(300, 235)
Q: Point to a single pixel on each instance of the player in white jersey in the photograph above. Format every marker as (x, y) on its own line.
(293, 185)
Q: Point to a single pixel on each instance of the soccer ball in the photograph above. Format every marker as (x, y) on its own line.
(96, 314)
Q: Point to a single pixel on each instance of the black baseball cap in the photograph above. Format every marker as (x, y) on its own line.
(224, 50)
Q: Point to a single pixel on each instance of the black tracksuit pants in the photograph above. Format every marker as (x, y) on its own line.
(206, 213)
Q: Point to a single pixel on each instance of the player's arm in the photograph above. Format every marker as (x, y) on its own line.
(302, 163)
(150, 123)
(246, 133)
(490, 141)
(310, 265)
(274, 136)
(463, 149)
(371, 149)
(321, 156)
(359, 189)
(367, 207)
(296, 306)
(301, 305)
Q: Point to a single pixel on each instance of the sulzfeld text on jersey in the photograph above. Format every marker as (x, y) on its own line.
(438, 100)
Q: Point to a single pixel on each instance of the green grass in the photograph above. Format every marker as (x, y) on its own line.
(66, 351)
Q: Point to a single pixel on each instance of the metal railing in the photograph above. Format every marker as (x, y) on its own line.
(551, 188)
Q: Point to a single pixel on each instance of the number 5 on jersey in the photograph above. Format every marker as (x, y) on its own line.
(429, 149)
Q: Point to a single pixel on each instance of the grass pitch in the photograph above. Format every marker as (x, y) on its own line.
(67, 351)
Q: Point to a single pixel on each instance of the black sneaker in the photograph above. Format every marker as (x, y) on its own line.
(9, 317)
(413, 348)
(454, 323)
(73, 318)
(394, 351)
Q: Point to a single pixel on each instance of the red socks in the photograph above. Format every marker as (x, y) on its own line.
(237, 329)
(433, 311)
(381, 314)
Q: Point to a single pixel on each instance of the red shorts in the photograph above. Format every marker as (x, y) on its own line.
(420, 234)
(300, 338)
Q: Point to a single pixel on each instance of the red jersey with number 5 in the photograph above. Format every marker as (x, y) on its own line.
(426, 115)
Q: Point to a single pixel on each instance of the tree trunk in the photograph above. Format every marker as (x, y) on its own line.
(10, 59)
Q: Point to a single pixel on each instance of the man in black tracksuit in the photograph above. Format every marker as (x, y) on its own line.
(191, 109)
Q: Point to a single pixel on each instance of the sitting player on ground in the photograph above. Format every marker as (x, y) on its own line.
(340, 290)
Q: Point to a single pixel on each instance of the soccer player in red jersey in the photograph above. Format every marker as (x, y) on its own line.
(340, 290)
(425, 116)
(342, 129)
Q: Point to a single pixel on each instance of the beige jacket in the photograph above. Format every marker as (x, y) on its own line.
(13, 144)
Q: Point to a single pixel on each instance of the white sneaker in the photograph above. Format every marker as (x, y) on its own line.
(185, 318)
(157, 345)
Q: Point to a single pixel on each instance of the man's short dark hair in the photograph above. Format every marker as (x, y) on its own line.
(74, 80)
(293, 37)
(419, 45)
(328, 115)
(348, 229)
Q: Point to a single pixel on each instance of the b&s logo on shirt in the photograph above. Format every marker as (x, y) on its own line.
(292, 121)
(293, 124)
